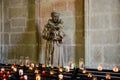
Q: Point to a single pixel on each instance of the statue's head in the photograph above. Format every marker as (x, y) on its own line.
(55, 16)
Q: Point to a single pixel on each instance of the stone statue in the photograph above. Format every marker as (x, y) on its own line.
(53, 34)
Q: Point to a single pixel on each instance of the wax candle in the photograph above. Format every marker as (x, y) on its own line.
(2, 69)
(99, 68)
(90, 75)
(71, 65)
(94, 78)
(21, 60)
(1, 72)
(115, 69)
(36, 71)
(43, 65)
(32, 65)
(60, 69)
(81, 64)
(38, 77)
(108, 76)
(8, 72)
(67, 68)
(4, 76)
(43, 72)
(21, 72)
(14, 69)
(37, 65)
(27, 61)
(21, 78)
(12, 66)
(84, 71)
(30, 68)
(60, 76)
(25, 77)
(51, 72)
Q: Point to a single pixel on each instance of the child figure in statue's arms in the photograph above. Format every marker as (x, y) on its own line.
(54, 29)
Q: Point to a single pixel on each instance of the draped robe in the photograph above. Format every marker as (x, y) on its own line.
(53, 34)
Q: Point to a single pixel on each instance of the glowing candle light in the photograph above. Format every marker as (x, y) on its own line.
(52, 66)
(14, 64)
(8, 72)
(51, 72)
(67, 69)
(89, 75)
(43, 72)
(30, 68)
(32, 65)
(4, 76)
(71, 65)
(108, 76)
(21, 72)
(2, 69)
(9, 76)
(60, 69)
(37, 65)
(99, 68)
(43, 65)
(25, 77)
(84, 71)
(36, 71)
(14, 69)
(115, 69)
(38, 77)
(94, 78)
(60, 76)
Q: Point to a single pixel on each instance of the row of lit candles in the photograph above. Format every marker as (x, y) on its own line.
(71, 66)
(89, 75)
(107, 76)
(115, 68)
(67, 68)
(38, 77)
(25, 77)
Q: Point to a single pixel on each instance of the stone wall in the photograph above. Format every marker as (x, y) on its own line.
(102, 28)
(19, 33)
(71, 12)
(0, 26)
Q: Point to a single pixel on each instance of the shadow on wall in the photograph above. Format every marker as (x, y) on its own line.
(79, 30)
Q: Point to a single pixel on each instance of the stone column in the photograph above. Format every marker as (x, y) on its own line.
(102, 28)
(19, 30)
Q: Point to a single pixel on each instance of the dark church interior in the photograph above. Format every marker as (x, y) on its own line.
(59, 39)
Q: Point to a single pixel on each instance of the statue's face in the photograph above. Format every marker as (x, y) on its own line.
(55, 18)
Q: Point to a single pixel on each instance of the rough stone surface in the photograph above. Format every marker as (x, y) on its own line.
(102, 36)
(18, 22)
(17, 12)
(111, 54)
(23, 38)
(18, 32)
